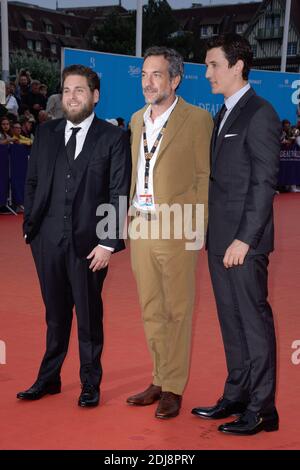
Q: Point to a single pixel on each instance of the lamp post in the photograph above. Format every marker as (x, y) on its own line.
(285, 35)
(139, 28)
(4, 38)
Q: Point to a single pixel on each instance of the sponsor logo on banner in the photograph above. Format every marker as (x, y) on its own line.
(212, 108)
(285, 84)
(191, 77)
(296, 94)
(92, 62)
(134, 71)
(252, 81)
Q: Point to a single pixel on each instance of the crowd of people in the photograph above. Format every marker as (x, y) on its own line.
(26, 98)
(28, 105)
(290, 141)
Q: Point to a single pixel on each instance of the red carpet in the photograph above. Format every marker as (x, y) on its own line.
(56, 422)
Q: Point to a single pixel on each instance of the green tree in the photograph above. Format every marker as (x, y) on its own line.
(116, 34)
(40, 69)
(158, 23)
(183, 42)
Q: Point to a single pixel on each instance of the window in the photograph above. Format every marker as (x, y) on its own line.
(53, 48)
(215, 29)
(29, 25)
(204, 31)
(49, 28)
(38, 46)
(29, 44)
(240, 27)
(269, 22)
(67, 31)
(292, 48)
(277, 22)
(254, 50)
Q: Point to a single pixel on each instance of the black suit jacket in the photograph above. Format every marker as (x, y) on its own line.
(103, 174)
(244, 167)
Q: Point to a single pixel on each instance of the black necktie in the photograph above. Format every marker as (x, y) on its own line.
(71, 145)
(219, 120)
(220, 117)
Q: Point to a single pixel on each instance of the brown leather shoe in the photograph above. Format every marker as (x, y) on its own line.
(169, 405)
(147, 397)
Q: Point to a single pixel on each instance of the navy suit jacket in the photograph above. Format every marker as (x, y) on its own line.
(243, 179)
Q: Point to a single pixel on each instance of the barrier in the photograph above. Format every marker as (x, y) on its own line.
(289, 169)
(4, 174)
(19, 155)
(13, 169)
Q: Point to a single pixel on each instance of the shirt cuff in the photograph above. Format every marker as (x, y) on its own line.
(109, 248)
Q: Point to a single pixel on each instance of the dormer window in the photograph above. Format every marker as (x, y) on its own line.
(240, 28)
(49, 28)
(29, 25)
(67, 31)
(205, 31)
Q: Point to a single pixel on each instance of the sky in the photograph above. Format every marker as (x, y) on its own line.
(129, 4)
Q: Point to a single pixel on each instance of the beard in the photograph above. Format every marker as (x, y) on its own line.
(157, 99)
(76, 117)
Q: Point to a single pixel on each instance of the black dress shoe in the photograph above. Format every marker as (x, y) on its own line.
(89, 395)
(252, 423)
(38, 390)
(222, 409)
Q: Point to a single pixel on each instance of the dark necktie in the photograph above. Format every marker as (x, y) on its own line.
(218, 121)
(71, 145)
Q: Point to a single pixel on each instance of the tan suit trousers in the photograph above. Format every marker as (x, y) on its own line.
(165, 276)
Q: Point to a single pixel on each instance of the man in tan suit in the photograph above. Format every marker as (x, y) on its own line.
(170, 155)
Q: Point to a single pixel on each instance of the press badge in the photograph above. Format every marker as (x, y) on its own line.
(145, 200)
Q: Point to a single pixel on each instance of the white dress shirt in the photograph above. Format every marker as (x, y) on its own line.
(152, 131)
(81, 135)
(232, 101)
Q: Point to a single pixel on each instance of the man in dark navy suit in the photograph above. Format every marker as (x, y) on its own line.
(244, 165)
(76, 165)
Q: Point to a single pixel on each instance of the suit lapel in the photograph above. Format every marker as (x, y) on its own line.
(135, 149)
(233, 116)
(55, 145)
(229, 121)
(176, 120)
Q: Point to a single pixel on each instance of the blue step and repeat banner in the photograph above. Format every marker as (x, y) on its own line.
(121, 93)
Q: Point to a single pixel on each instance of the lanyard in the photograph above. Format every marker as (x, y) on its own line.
(149, 155)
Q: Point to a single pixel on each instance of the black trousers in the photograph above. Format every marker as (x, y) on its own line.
(66, 281)
(247, 327)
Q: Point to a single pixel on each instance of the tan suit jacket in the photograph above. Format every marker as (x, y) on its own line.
(181, 170)
(164, 269)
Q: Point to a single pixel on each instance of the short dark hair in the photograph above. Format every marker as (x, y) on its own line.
(235, 47)
(78, 69)
(175, 60)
